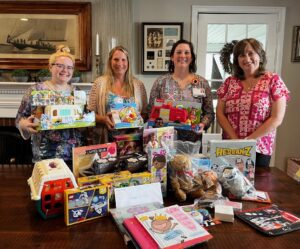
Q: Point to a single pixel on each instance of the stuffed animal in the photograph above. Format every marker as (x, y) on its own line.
(211, 185)
(234, 181)
(182, 179)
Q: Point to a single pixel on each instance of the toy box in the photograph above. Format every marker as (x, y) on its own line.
(128, 144)
(47, 184)
(61, 110)
(96, 179)
(157, 165)
(86, 203)
(293, 168)
(162, 137)
(94, 159)
(234, 152)
(126, 115)
(183, 115)
(206, 138)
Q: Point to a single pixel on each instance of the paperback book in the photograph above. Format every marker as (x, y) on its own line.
(171, 227)
(270, 220)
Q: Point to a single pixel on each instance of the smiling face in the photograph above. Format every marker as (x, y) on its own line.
(119, 63)
(62, 70)
(249, 61)
(182, 56)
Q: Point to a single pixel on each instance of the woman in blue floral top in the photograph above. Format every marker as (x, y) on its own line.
(182, 84)
(50, 143)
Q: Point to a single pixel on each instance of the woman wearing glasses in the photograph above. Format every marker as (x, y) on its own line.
(50, 143)
(117, 85)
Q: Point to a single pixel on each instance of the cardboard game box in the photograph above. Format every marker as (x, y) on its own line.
(235, 152)
(126, 115)
(86, 203)
(61, 110)
(94, 159)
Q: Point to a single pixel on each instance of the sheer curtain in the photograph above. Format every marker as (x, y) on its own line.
(112, 20)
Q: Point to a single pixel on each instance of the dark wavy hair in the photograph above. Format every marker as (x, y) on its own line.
(192, 67)
(239, 49)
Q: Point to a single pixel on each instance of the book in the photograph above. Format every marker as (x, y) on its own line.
(139, 234)
(234, 153)
(121, 214)
(171, 227)
(270, 220)
(256, 195)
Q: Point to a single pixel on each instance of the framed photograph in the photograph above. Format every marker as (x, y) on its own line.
(30, 31)
(296, 44)
(158, 39)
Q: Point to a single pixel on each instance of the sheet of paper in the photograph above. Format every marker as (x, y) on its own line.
(136, 195)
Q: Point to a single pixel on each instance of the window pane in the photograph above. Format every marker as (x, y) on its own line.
(259, 32)
(236, 32)
(216, 33)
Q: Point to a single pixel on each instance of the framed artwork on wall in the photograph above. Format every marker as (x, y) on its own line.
(296, 44)
(30, 32)
(157, 41)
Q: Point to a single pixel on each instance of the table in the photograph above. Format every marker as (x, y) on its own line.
(22, 227)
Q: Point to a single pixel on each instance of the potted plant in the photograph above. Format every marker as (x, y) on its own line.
(76, 76)
(43, 75)
(20, 75)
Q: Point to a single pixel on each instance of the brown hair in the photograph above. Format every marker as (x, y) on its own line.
(192, 66)
(239, 49)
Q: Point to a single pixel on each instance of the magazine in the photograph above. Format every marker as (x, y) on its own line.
(171, 227)
(270, 220)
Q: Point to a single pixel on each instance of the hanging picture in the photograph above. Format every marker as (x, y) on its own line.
(158, 39)
(296, 44)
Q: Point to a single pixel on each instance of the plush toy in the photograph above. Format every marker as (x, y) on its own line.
(183, 182)
(211, 185)
(235, 182)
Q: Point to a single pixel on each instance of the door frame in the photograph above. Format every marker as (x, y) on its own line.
(279, 11)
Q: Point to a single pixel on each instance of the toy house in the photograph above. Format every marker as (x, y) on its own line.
(47, 184)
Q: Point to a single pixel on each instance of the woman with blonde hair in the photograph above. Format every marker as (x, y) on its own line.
(50, 143)
(117, 85)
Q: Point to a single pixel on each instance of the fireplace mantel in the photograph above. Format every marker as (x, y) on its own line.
(11, 94)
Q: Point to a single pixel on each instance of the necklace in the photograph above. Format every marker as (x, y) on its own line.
(182, 82)
(55, 87)
(249, 84)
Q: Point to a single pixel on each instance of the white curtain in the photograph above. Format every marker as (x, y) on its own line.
(112, 20)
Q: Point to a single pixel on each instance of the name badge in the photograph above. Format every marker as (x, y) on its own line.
(198, 92)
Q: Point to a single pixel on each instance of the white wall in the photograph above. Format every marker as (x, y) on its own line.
(288, 136)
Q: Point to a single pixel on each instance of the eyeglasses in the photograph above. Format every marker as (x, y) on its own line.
(62, 66)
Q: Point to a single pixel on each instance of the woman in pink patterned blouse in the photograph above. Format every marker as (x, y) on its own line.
(252, 102)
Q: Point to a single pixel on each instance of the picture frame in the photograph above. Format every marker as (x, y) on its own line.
(296, 44)
(157, 41)
(30, 31)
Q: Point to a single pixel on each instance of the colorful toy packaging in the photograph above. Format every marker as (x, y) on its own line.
(234, 153)
(94, 159)
(61, 110)
(182, 115)
(86, 203)
(126, 115)
(158, 167)
(47, 184)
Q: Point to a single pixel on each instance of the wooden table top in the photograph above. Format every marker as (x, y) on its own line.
(22, 227)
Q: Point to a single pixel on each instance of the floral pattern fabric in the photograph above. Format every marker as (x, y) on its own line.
(247, 110)
(50, 143)
(165, 87)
